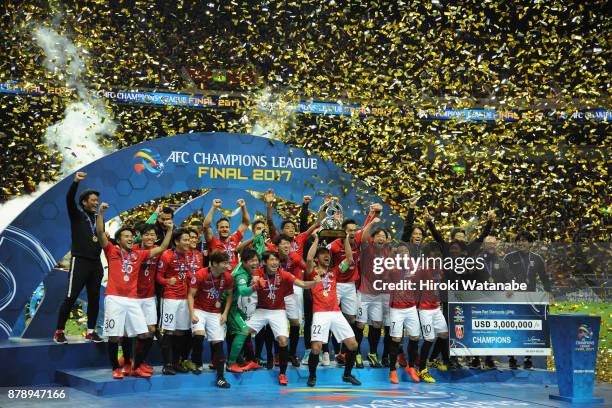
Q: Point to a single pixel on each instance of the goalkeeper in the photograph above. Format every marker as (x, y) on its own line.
(244, 303)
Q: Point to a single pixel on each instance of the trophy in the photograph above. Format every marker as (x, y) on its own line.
(331, 225)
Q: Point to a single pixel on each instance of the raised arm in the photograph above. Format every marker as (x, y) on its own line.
(409, 223)
(367, 231)
(487, 229)
(311, 254)
(153, 217)
(100, 225)
(165, 243)
(71, 195)
(304, 213)
(434, 232)
(206, 224)
(269, 199)
(246, 218)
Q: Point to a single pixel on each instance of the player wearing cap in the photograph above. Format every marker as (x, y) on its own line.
(122, 308)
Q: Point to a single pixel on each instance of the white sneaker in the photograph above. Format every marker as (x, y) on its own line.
(306, 356)
(325, 361)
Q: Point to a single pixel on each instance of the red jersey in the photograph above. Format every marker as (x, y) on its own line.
(337, 252)
(210, 289)
(123, 270)
(294, 265)
(428, 299)
(146, 277)
(173, 265)
(271, 290)
(403, 299)
(369, 251)
(228, 246)
(321, 302)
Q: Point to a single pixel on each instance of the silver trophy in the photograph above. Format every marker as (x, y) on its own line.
(334, 215)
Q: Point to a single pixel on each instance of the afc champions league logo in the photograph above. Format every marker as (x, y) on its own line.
(146, 159)
(585, 332)
(458, 311)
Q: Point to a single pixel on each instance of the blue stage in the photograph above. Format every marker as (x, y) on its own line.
(81, 370)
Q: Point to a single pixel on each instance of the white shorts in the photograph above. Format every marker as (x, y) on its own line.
(277, 319)
(248, 304)
(386, 307)
(347, 297)
(209, 322)
(408, 318)
(323, 322)
(149, 308)
(432, 323)
(174, 315)
(294, 304)
(123, 315)
(370, 308)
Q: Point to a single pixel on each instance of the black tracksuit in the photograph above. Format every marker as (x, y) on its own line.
(524, 266)
(85, 265)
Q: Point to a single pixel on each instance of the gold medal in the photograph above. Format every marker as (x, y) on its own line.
(126, 278)
(325, 293)
(218, 305)
(94, 238)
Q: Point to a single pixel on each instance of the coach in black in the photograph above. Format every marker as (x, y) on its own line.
(85, 266)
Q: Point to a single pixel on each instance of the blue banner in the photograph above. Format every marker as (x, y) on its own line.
(497, 326)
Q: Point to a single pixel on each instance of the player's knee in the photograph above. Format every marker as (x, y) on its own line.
(396, 339)
(282, 341)
(294, 322)
(315, 347)
(415, 338)
(114, 339)
(200, 333)
(360, 325)
(351, 344)
(152, 329)
(377, 325)
(443, 335)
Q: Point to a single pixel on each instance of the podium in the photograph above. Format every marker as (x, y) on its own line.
(574, 341)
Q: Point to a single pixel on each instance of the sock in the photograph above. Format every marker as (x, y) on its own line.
(113, 351)
(424, 353)
(373, 339)
(350, 362)
(248, 349)
(437, 347)
(445, 350)
(294, 338)
(197, 350)
(276, 347)
(148, 343)
(259, 343)
(386, 342)
(325, 348)
(313, 362)
(284, 357)
(335, 345)
(187, 344)
(166, 349)
(359, 337)
(139, 352)
(219, 359)
(237, 345)
(177, 347)
(394, 348)
(269, 342)
(89, 331)
(413, 352)
(126, 347)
